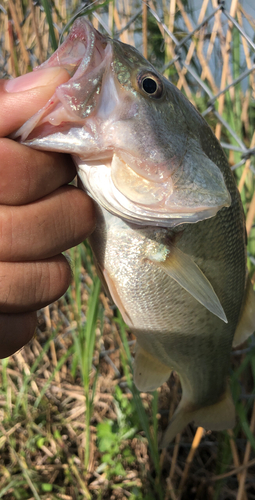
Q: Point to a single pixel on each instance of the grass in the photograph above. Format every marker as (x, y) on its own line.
(72, 423)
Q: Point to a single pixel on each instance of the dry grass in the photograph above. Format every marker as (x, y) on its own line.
(43, 397)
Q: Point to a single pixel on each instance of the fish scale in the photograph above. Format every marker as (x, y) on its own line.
(169, 244)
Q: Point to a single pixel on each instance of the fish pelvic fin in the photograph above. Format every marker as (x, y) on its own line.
(217, 417)
(149, 373)
(182, 268)
(246, 324)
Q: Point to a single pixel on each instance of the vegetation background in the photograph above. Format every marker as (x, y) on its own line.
(72, 424)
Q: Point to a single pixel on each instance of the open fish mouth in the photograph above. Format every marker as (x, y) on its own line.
(83, 55)
(104, 116)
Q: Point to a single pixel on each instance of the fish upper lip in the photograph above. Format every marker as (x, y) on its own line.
(83, 43)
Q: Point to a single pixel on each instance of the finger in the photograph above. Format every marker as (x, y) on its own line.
(29, 286)
(46, 227)
(27, 175)
(15, 331)
(32, 91)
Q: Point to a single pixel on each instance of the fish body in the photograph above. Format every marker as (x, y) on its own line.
(170, 238)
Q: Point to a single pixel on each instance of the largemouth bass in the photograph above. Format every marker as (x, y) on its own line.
(170, 238)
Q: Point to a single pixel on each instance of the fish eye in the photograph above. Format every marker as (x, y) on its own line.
(151, 85)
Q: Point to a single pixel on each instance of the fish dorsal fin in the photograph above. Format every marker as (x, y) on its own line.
(186, 272)
(149, 373)
(246, 324)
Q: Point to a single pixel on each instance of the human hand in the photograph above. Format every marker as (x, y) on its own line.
(40, 216)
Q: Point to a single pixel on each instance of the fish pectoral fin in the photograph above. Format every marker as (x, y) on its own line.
(246, 324)
(186, 272)
(149, 373)
(217, 417)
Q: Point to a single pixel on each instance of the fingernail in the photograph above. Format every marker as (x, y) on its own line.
(39, 78)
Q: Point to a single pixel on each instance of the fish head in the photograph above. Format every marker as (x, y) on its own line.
(137, 150)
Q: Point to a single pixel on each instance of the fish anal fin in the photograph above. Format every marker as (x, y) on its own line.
(246, 324)
(182, 268)
(180, 419)
(217, 417)
(149, 373)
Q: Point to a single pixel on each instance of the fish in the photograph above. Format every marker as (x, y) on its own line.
(169, 243)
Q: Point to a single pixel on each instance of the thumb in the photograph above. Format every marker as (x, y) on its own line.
(22, 97)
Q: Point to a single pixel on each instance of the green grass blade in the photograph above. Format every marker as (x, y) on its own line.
(47, 10)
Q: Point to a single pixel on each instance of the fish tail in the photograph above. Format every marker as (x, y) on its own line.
(216, 417)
